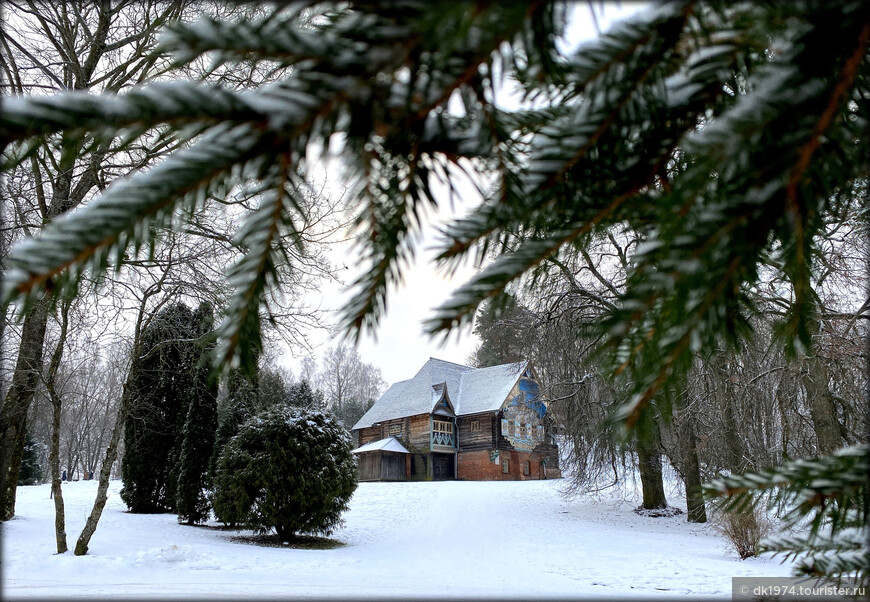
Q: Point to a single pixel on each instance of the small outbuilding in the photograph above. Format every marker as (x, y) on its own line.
(383, 460)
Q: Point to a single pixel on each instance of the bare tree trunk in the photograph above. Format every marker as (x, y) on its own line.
(736, 459)
(57, 404)
(815, 380)
(695, 509)
(12, 478)
(649, 456)
(56, 490)
(687, 453)
(20, 394)
(105, 473)
(112, 451)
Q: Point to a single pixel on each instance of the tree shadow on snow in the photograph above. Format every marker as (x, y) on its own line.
(299, 542)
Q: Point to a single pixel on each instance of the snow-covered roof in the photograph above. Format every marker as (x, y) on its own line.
(485, 389)
(470, 390)
(389, 444)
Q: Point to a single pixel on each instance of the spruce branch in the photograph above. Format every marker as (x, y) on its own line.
(122, 217)
(255, 274)
(147, 106)
(833, 488)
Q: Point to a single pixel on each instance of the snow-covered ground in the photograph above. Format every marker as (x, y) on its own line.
(422, 540)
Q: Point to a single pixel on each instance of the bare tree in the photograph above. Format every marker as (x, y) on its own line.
(78, 45)
(350, 385)
(50, 380)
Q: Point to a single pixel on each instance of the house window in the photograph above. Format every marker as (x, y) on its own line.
(505, 427)
(527, 468)
(517, 429)
(540, 433)
(506, 465)
(395, 430)
(475, 426)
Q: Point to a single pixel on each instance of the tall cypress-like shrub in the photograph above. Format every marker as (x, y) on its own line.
(198, 434)
(240, 404)
(160, 382)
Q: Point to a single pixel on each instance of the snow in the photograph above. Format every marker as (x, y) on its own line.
(502, 540)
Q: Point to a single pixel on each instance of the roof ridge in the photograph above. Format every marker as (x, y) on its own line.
(438, 359)
(505, 364)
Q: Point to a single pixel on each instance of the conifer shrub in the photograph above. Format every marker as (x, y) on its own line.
(31, 470)
(287, 469)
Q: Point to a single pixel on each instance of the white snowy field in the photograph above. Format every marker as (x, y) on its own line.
(421, 540)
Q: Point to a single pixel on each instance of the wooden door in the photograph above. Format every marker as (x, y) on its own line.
(442, 467)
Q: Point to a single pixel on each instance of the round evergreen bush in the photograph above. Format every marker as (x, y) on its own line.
(286, 469)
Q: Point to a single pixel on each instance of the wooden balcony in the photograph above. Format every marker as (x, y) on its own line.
(443, 436)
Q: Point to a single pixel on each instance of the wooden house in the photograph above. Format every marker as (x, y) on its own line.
(459, 422)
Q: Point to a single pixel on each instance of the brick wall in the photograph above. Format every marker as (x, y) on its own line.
(477, 466)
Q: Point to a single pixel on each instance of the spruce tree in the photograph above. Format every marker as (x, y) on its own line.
(727, 134)
(301, 395)
(31, 470)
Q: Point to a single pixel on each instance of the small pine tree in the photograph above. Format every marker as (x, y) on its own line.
(287, 469)
(301, 395)
(198, 435)
(272, 389)
(31, 470)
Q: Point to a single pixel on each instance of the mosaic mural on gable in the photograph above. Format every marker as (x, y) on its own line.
(522, 414)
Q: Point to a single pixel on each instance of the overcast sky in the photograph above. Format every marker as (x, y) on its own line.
(401, 347)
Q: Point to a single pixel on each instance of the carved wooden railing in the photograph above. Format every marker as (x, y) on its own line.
(443, 434)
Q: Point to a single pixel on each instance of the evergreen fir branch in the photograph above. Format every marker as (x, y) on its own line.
(847, 539)
(397, 184)
(175, 102)
(833, 488)
(255, 275)
(836, 565)
(462, 304)
(851, 462)
(625, 43)
(344, 44)
(391, 210)
(123, 215)
(565, 132)
(546, 166)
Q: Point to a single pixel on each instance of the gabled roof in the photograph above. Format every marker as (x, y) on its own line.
(469, 390)
(389, 444)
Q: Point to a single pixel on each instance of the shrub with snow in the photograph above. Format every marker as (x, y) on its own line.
(287, 469)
